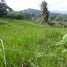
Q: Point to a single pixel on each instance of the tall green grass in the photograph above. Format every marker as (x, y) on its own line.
(24, 41)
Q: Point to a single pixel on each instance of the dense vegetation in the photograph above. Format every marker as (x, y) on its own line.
(26, 44)
(33, 44)
(18, 15)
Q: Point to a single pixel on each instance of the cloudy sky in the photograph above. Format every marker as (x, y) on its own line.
(53, 5)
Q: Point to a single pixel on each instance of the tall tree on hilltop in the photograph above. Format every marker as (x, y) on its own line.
(45, 12)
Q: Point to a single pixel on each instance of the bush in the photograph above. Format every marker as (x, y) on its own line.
(18, 15)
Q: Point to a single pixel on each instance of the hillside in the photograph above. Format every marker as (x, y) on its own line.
(34, 12)
(52, 15)
(33, 44)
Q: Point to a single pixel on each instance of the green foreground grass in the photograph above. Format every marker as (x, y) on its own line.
(24, 41)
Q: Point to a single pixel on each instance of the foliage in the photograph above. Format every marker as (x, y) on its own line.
(18, 15)
(45, 11)
(3, 9)
(58, 17)
(24, 41)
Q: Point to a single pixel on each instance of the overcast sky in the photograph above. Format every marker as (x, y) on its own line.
(53, 5)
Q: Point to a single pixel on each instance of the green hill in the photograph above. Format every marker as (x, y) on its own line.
(33, 44)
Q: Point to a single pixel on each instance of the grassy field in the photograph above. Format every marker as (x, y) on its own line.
(34, 44)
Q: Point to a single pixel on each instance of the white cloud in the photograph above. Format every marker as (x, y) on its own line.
(57, 5)
(53, 5)
(23, 4)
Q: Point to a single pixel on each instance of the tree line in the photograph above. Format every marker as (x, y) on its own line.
(7, 12)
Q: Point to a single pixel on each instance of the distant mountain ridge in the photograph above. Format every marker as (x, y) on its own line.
(34, 12)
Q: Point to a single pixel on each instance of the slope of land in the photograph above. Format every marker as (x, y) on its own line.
(25, 41)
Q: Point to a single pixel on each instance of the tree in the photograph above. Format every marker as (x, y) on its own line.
(45, 12)
(4, 8)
